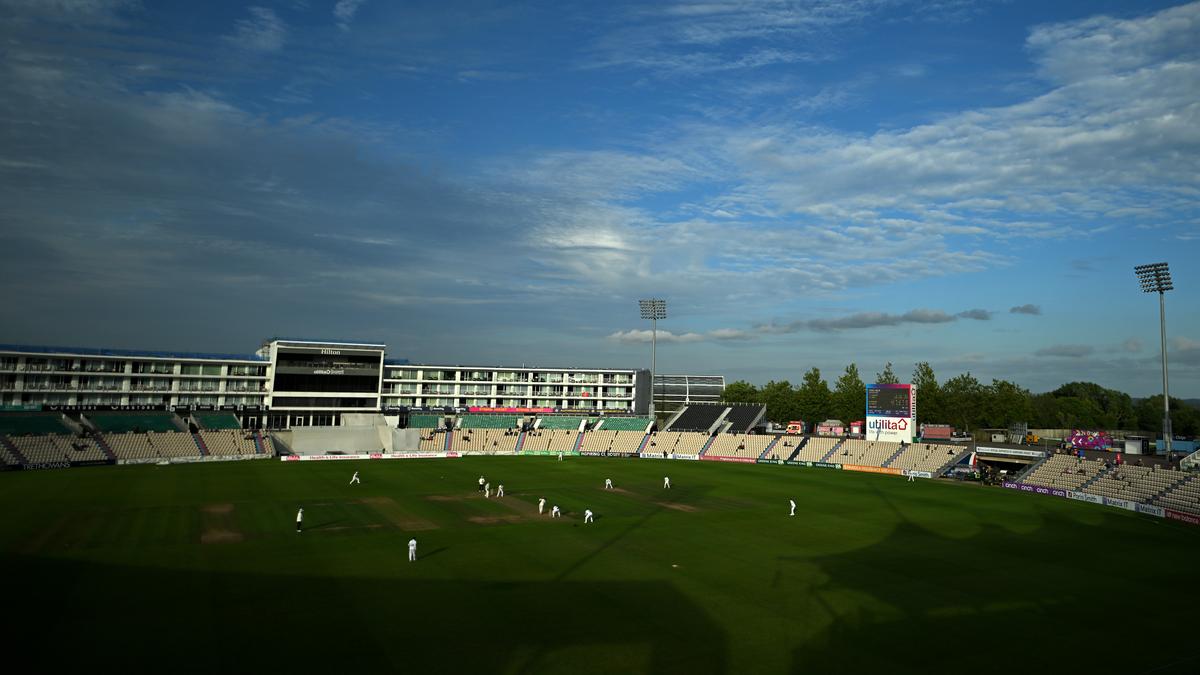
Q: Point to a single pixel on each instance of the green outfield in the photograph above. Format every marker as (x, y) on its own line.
(198, 568)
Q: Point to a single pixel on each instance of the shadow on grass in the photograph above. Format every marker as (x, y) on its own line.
(96, 616)
(998, 601)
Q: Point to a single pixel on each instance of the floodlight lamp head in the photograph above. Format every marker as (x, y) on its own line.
(1154, 278)
(653, 309)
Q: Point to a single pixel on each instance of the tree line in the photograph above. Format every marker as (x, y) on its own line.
(966, 403)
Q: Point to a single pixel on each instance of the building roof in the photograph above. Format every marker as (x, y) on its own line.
(130, 353)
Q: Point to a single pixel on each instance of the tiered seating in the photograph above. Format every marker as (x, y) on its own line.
(742, 416)
(698, 417)
(7, 456)
(924, 457)
(561, 422)
(22, 425)
(557, 440)
(1135, 483)
(813, 451)
(39, 449)
(79, 449)
(864, 452)
(625, 424)
(217, 420)
(1064, 472)
(268, 445)
(488, 421)
(174, 444)
(739, 445)
(228, 443)
(663, 441)
(126, 422)
(131, 446)
(625, 442)
(485, 442)
(424, 421)
(1184, 496)
(433, 442)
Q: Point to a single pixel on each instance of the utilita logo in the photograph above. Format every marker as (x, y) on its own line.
(885, 424)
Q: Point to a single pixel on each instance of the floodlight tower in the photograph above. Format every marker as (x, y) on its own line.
(653, 310)
(1156, 278)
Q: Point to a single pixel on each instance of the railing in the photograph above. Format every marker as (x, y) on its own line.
(1191, 462)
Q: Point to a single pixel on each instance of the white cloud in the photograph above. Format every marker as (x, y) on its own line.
(344, 11)
(262, 31)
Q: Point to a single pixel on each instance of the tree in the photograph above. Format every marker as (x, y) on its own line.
(849, 395)
(963, 395)
(930, 407)
(887, 376)
(740, 392)
(780, 399)
(1006, 403)
(814, 400)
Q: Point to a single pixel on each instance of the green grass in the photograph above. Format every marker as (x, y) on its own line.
(108, 566)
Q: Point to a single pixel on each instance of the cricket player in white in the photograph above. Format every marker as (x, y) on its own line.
(412, 550)
(911, 478)
(500, 490)
(355, 479)
(554, 512)
(481, 483)
(560, 455)
(587, 516)
(541, 505)
(666, 482)
(299, 519)
(793, 504)
(487, 490)
(608, 484)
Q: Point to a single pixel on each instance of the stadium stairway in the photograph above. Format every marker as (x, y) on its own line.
(796, 450)
(12, 450)
(642, 445)
(889, 460)
(1099, 474)
(1031, 468)
(260, 447)
(520, 443)
(832, 451)
(202, 446)
(952, 462)
(105, 447)
(769, 448)
(707, 445)
(578, 442)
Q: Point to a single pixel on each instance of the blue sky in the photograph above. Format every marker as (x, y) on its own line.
(806, 183)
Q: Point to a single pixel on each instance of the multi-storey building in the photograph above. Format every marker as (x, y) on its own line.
(290, 383)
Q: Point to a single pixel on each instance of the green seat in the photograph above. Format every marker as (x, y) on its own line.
(625, 423)
(27, 425)
(125, 423)
(217, 420)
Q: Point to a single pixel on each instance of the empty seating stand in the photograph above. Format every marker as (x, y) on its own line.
(24, 424)
(743, 416)
(425, 422)
(625, 424)
(1065, 472)
(698, 417)
(217, 420)
(131, 422)
(748, 446)
(568, 422)
(488, 421)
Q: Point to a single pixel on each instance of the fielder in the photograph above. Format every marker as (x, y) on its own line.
(560, 455)
(541, 504)
(412, 550)
(355, 479)
(587, 516)
(481, 481)
(500, 490)
(608, 484)
(487, 490)
(666, 483)
(912, 478)
(792, 502)
(299, 519)
(554, 512)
